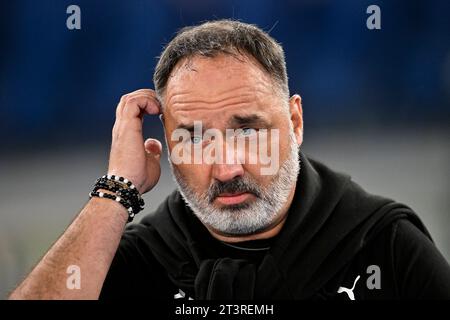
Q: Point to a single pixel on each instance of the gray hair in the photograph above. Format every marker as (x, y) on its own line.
(227, 37)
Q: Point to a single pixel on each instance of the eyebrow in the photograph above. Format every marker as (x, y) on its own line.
(250, 120)
(188, 127)
(235, 121)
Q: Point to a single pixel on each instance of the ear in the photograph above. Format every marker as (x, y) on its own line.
(296, 113)
(163, 121)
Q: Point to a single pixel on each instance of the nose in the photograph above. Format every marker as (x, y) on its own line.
(231, 166)
(226, 172)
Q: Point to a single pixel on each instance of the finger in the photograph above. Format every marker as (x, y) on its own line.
(145, 90)
(153, 146)
(135, 105)
(141, 92)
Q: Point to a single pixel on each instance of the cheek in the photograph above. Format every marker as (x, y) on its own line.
(284, 132)
(285, 147)
(254, 172)
(196, 176)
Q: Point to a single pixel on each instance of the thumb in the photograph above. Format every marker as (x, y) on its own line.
(153, 147)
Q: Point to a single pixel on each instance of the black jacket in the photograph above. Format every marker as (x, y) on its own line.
(338, 242)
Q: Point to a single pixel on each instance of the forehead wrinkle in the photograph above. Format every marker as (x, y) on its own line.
(221, 109)
(225, 99)
(207, 105)
(249, 78)
(241, 90)
(208, 101)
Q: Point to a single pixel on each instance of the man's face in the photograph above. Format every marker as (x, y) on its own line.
(225, 93)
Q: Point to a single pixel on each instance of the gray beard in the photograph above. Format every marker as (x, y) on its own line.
(246, 218)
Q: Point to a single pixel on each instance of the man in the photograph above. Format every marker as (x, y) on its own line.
(282, 226)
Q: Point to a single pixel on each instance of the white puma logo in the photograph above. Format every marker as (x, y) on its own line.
(348, 291)
(181, 295)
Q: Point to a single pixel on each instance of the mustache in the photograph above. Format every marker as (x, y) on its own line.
(236, 185)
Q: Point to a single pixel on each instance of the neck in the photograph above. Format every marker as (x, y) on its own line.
(271, 231)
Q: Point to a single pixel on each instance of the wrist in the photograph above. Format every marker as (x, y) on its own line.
(108, 208)
(120, 190)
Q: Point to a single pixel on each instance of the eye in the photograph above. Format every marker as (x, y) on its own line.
(196, 139)
(247, 132)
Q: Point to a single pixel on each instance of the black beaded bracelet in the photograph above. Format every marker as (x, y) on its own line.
(126, 204)
(125, 193)
(122, 189)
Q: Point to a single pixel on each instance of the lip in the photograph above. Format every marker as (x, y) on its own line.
(236, 198)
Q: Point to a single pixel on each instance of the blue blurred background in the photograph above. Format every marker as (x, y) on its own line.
(376, 102)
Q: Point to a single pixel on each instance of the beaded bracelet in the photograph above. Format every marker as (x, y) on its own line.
(125, 193)
(124, 189)
(126, 204)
